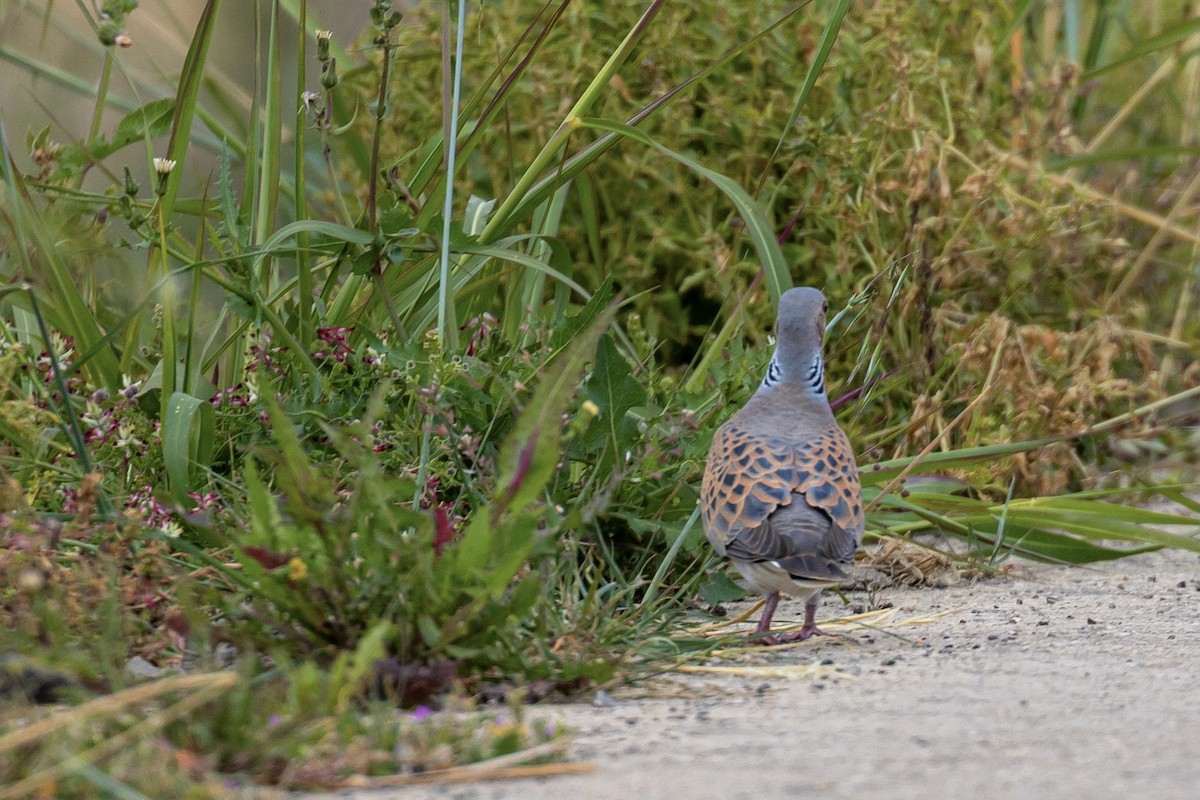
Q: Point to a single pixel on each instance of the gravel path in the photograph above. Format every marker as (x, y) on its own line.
(1054, 683)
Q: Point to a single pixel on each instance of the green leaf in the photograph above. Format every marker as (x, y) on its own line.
(525, 595)
(720, 588)
(575, 323)
(514, 546)
(527, 460)
(148, 122)
(528, 457)
(1172, 35)
(187, 432)
(371, 648)
(478, 211)
(576, 164)
(264, 515)
(612, 387)
(1072, 529)
(429, 629)
(1102, 527)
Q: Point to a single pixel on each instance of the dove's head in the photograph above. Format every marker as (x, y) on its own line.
(799, 336)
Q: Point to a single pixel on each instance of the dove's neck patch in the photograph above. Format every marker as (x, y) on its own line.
(815, 381)
(774, 375)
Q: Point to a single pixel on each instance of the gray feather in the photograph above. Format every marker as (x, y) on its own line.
(801, 539)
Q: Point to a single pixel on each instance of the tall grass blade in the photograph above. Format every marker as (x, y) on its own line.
(1167, 38)
(828, 37)
(447, 328)
(504, 217)
(304, 279)
(761, 235)
(191, 79)
(575, 164)
(270, 142)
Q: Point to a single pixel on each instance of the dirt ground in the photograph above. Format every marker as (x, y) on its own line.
(1055, 683)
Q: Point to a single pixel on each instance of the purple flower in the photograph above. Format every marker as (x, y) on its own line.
(420, 713)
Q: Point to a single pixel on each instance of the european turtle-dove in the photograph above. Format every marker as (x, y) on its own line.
(781, 496)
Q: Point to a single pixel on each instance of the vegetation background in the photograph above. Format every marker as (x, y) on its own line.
(278, 394)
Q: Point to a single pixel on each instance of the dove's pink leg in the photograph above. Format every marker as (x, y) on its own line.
(768, 611)
(810, 619)
(808, 630)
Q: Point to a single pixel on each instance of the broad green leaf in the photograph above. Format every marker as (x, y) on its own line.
(529, 455)
(720, 588)
(511, 555)
(264, 515)
(187, 431)
(478, 211)
(613, 389)
(524, 596)
(148, 122)
(575, 323)
(429, 629)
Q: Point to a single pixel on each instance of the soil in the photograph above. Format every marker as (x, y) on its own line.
(1050, 682)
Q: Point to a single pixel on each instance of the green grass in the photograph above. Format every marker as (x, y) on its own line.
(408, 401)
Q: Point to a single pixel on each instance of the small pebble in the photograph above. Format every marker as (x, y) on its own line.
(139, 667)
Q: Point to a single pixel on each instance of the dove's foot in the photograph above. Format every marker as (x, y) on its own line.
(802, 635)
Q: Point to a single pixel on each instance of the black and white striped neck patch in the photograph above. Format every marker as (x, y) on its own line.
(815, 381)
(774, 375)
